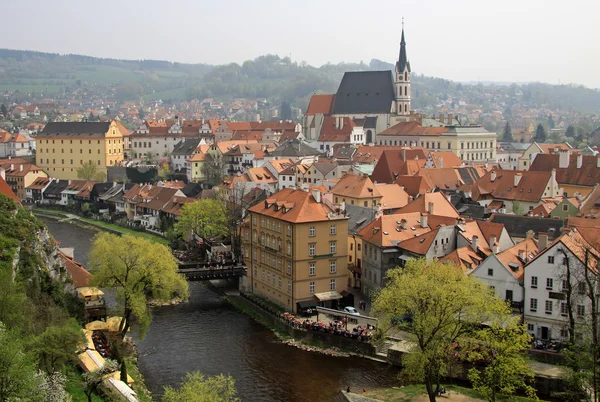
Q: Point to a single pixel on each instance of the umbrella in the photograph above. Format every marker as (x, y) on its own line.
(113, 324)
(97, 326)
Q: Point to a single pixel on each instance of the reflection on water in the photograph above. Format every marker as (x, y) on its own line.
(208, 335)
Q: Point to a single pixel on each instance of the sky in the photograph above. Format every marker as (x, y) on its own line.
(463, 40)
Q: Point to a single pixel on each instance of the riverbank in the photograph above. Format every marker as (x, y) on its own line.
(95, 224)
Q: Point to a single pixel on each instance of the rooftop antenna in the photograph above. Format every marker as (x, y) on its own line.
(403, 23)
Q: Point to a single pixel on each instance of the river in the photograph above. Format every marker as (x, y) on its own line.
(208, 335)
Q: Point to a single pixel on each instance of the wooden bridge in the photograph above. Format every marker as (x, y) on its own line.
(208, 271)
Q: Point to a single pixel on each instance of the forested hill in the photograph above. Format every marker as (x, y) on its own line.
(269, 76)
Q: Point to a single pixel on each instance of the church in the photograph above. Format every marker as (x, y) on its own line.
(378, 102)
(377, 99)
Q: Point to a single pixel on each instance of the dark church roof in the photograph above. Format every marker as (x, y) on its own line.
(80, 129)
(402, 58)
(365, 92)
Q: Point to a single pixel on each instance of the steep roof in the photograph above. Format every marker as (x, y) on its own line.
(320, 104)
(392, 196)
(586, 175)
(415, 185)
(186, 147)
(530, 188)
(387, 231)
(294, 148)
(331, 131)
(294, 206)
(413, 128)
(421, 244)
(518, 226)
(402, 62)
(355, 186)
(7, 191)
(395, 163)
(441, 206)
(510, 257)
(365, 92)
(261, 175)
(80, 276)
(75, 129)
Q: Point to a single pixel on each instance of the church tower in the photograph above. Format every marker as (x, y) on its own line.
(402, 80)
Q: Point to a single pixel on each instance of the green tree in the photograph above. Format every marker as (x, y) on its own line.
(517, 209)
(213, 169)
(442, 305)
(540, 134)
(499, 355)
(286, 110)
(507, 133)
(89, 171)
(3, 110)
(198, 388)
(18, 376)
(570, 131)
(137, 269)
(57, 345)
(164, 171)
(205, 218)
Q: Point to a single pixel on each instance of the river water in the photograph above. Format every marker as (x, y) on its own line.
(208, 335)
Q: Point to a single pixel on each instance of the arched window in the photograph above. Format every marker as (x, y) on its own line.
(370, 136)
(405, 108)
(406, 76)
(406, 90)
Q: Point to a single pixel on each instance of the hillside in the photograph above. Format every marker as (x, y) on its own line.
(36, 74)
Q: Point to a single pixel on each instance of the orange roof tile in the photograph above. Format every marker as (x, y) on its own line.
(356, 186)
(322, 104)
(441, 206)
(387, 231)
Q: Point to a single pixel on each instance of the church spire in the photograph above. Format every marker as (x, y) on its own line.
(402, 59)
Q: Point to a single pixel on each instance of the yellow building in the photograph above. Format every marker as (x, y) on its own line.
(21, 175)
(296, 250)
(61, 148)
(356, 190)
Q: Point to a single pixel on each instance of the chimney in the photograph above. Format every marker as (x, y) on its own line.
(529, 235)
(542, 240)
(598, 162)
(521, 255)
(442, 118)
(450, 118)
(337, 123)
(12, 166)
(430, 208)
(579, 161)
(563, 159)
(517, 179)
(404, 155)
(341, 123)
(403, 224)
(449, 198)
(475, 242)
(440, 162)
(21, 168)
(410, 199)
(316, 195)
(492, 242)
(424, 221)
(493, 176)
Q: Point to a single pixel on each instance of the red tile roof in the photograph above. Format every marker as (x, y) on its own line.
(6, 190)
(320, 104)
(295, 206)
(413, 128)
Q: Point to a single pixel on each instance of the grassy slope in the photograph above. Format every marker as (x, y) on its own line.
(412, 392)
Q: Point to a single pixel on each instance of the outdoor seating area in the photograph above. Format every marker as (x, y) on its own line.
(336, 327)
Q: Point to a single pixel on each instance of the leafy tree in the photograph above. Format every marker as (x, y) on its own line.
(107, 111)
(3, 110)
(551, 123)
(570, 131)
(89, 171)
(499, 354)
(138, 269)
(540, 134)
(442, 305)
(205, 218)
(507, 133)
(54, 387)
(286, 110)
(213, 169)
(93, 379)
(517, 208)
(198, 388)
(18, 375)
(164, 171)
(57, 345)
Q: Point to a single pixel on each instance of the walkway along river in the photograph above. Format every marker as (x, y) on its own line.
(208, 335)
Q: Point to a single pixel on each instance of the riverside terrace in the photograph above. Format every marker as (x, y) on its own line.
(210, 271)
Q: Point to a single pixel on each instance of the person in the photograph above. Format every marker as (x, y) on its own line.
(348, 389)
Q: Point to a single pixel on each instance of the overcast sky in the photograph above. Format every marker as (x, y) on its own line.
(465, 40)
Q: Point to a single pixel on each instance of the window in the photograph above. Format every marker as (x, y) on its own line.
(580, 310)
(254, 219)
(332, 284)
(289, 268)
(332, 267)
(289, 286)
(581, 287)
(564, 286)
(289, 248)
(490, 272)
(530, 327)
(332, 247)
(533, 305)
(332, 230)
(289, 230)
(312, 249)
(311, 287)
(564, 309)
(565, 207)
(550, 259)
(549, 283)
(548, 306)
(263, 274)
(534, 281)
(358, 246)
(312, 231)
(311, 269)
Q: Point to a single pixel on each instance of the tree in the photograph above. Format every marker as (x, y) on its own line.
(89, 171)
(540, 134)
(58, 345)
(138, 269)
(198, 388)
(507, 133)
(551, 123)
(3, 110)
(164, 171)
(123, 370)
(150, 158)
(441, 306)
(53, 386)
(93, 379)
(18, 375)
(570, 131)
(517, 209)
(205, 218)
(213, 168)
(499, 355)
(286, 110)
